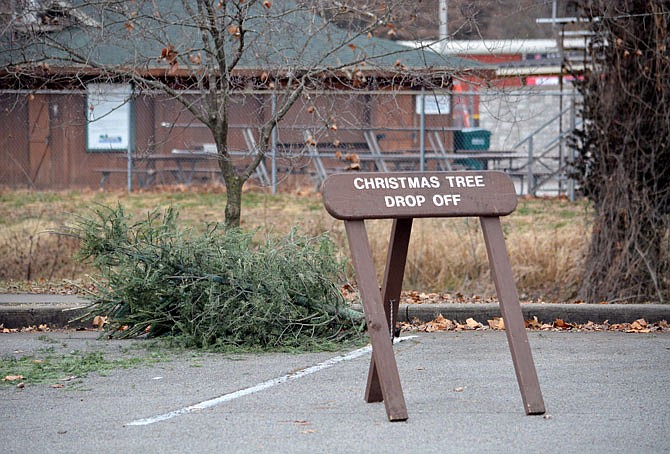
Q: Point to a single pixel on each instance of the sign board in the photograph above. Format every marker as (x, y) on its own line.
(403, 196)
(109, 117)
(434, 104)
(419, 195)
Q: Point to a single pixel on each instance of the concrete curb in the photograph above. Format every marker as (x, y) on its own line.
(546, 313)
(21, 310)
(57, 311)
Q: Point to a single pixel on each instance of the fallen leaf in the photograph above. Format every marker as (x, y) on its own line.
(559, 323)
(443, 323)
(639, 324)
(497, 323)
(430, 327)
(99, 321)
(58, 385)
(472, 323)
(534, 323)
(13, 377)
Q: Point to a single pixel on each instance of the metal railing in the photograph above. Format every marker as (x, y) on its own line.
(544, 164)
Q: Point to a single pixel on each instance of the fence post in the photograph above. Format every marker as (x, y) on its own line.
(422, 133)
(131, 138)
(274, 145)
(573, 126)
(531, 190)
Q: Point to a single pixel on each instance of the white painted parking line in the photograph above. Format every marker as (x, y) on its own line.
(259, 387)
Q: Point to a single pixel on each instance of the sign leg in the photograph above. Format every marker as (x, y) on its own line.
(501, 271)
(382, 347)
(391, 288)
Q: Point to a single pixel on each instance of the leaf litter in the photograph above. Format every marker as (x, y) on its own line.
(441, 323)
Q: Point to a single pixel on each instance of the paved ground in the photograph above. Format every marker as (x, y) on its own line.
(604, 392)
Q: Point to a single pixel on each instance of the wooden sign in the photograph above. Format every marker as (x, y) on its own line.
(402, 197)
(418, 195)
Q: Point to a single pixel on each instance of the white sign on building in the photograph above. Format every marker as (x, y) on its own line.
(109, 117)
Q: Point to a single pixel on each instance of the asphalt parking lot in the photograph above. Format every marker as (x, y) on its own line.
(604, 392)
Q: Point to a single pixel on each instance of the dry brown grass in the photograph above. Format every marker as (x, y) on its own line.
(449, 255)
(546, 239)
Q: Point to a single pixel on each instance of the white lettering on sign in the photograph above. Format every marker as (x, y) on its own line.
(446, 200)
(465, 181)
(420, 182)
(401, 182)
(404, 200)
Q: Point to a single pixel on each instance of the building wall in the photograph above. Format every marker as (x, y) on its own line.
(14, 153)
(44, 135)
(512, 115)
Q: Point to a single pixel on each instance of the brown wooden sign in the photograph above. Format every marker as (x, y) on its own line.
(355, 197)
(418, 195)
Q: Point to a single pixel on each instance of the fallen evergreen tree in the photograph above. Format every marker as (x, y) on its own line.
(216, 289)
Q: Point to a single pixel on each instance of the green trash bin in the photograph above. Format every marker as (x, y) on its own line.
(472, 139)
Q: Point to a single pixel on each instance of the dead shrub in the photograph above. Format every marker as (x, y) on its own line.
(31, 252)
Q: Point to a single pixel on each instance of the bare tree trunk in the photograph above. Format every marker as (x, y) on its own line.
(232, 179)
(625, 260)
(233, 200)
(624, 151)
